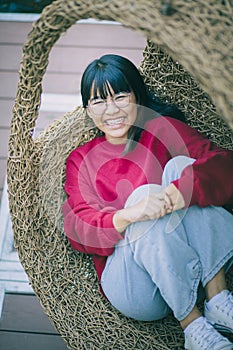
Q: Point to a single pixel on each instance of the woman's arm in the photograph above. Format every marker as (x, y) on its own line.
(88, 225)
(208, 181)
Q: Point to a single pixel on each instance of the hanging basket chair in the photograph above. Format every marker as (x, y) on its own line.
(187, 61)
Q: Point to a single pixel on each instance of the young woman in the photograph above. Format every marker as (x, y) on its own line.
(144, 199)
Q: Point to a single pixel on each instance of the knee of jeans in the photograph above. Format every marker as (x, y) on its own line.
(140, 192)
(148, 314)
(141, 307)
(174, 168)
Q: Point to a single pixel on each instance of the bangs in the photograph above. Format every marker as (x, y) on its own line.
(104, 82)
(109, 81)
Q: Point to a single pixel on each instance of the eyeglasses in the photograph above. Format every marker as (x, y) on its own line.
(98, 105)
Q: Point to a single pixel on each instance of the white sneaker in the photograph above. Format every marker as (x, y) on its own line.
(201, 335)
(220, 312)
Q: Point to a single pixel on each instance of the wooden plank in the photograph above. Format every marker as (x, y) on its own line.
(75, 59)
(4, 217)
(23, 313)
(59, 102)
(14, 274)
(14, 32)
(27, 341)
(85, 33)
(46, 118)
(8, 86)
(11, 264)
(101, 34)
(54, 106)
(6, 111)
(10, 57)
(3, 162)
(2, 296)
(16, 287)
(61, 83)
(4, 137)
(67, 58)
(49, 110)
(7, 251)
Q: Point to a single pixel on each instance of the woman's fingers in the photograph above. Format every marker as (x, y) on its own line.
(151, 207)
(168, 201)
(175, 197)
(154, 206)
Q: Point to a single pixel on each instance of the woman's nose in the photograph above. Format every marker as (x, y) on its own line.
(111, 108)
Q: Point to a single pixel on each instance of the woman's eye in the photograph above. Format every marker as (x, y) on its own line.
(97, 102)
(121, 97)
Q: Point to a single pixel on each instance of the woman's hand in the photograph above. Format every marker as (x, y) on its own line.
(174, 197)
(151, 207)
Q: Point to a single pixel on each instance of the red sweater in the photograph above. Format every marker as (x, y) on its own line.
(99, 179)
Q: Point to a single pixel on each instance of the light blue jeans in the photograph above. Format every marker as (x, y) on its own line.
(160, 264)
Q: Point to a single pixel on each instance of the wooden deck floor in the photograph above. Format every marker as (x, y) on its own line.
(24, 326)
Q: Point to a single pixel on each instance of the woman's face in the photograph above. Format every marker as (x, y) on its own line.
(115, 115)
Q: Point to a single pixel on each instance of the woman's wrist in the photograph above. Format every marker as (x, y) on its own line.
(121, 220)
(174, 197)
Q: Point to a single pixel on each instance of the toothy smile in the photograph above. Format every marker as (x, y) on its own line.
(113, 122)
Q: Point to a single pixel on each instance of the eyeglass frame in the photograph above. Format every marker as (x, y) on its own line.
(112, 101)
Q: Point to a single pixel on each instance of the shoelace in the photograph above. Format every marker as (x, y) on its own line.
(206, 335)
(226, 306)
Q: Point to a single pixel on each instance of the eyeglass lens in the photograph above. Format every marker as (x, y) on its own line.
(99, 105)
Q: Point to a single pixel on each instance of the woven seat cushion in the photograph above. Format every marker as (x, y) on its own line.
(180, 69)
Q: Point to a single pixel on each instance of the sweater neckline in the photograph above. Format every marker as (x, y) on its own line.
(116, 148)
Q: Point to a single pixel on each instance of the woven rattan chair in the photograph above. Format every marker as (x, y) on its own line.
(197, 38)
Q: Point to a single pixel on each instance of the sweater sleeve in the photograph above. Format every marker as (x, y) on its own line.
(87, 223)
(208, 181)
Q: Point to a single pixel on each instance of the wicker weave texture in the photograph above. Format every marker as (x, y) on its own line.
(173, 84)
(64, 280)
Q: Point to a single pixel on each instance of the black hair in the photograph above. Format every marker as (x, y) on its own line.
(122, 75)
